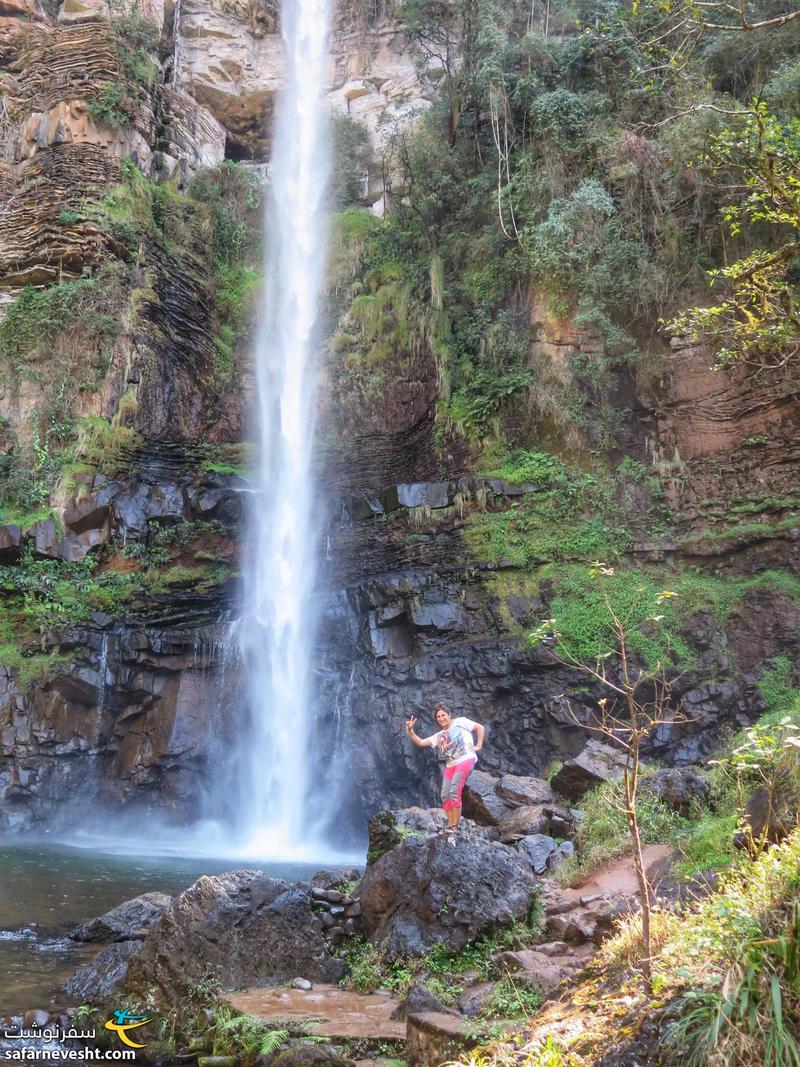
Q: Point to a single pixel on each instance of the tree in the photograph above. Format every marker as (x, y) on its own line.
(638, 703)
(716, 15)
(758, 320)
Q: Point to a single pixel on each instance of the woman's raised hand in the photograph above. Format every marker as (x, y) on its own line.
(410, 724)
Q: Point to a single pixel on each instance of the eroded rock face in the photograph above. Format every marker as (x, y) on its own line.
(443, 888)
(133, 722)
(244, 927)
(229, 57)
(729, 435)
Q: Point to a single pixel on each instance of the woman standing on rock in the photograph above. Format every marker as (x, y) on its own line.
(455, 745)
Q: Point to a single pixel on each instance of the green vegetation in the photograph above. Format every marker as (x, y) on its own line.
(757, 320)
(777, 687)
(351, 151)
(45, 594)
(228, 198)
(138, 210)
(512, 999)
(63, 336)
(603, 834)
(29, 663)
(120, 101)
(444, 972)
(583, 167)
(708, 844)
(244, 1036)
(636, 595)
(71, 321)
(735, 962)
(571, 515)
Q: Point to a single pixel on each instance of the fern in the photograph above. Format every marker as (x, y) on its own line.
(272, 1041)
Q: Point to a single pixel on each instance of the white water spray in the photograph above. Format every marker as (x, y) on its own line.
(277, 629)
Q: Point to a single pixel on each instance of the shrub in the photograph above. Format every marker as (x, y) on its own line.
(603, 834)
(119, 101)
(737, 961)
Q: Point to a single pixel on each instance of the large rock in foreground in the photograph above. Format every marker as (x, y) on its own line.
(443, 888)
(243, 927)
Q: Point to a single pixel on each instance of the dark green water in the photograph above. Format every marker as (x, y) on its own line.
(47, 889)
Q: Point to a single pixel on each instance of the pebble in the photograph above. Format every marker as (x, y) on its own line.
(302, 983)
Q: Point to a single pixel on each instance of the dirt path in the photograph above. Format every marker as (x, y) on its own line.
(335, 1012)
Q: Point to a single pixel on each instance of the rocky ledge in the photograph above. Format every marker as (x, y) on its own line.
(285, 953)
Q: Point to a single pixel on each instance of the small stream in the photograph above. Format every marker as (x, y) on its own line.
(46, 889)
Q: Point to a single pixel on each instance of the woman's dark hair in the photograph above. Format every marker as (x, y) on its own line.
(441, 706)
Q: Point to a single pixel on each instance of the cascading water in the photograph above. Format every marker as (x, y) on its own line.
(277, 627)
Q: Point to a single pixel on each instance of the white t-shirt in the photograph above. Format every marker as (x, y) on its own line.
(456, 744)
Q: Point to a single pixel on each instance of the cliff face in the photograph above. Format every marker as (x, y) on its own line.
(126, 399)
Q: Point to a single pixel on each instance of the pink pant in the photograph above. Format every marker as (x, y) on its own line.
(453, 783)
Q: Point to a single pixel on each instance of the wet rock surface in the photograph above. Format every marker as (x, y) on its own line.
(103, 975)
(244, 926)
(128, 921)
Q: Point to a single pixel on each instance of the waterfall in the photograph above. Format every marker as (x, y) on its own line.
(279, 571)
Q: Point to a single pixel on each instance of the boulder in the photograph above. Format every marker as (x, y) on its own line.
(45, 537)
(475, 998)
(523, 822)
(546, 965)
(388, 829)
(435, 1037)
(104, 974)
(565, 851)
(537, 850)
(522, 791)
(36, 1018)
(595, 764)
(680, 788)
(481, 800)
(128, 920)
(329, 880)
(248, 928)
(10, 542)
(443, 888)
(421, 999)
(582, 918)
(770, 816)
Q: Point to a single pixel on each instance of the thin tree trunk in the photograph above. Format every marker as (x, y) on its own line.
(641, 877)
